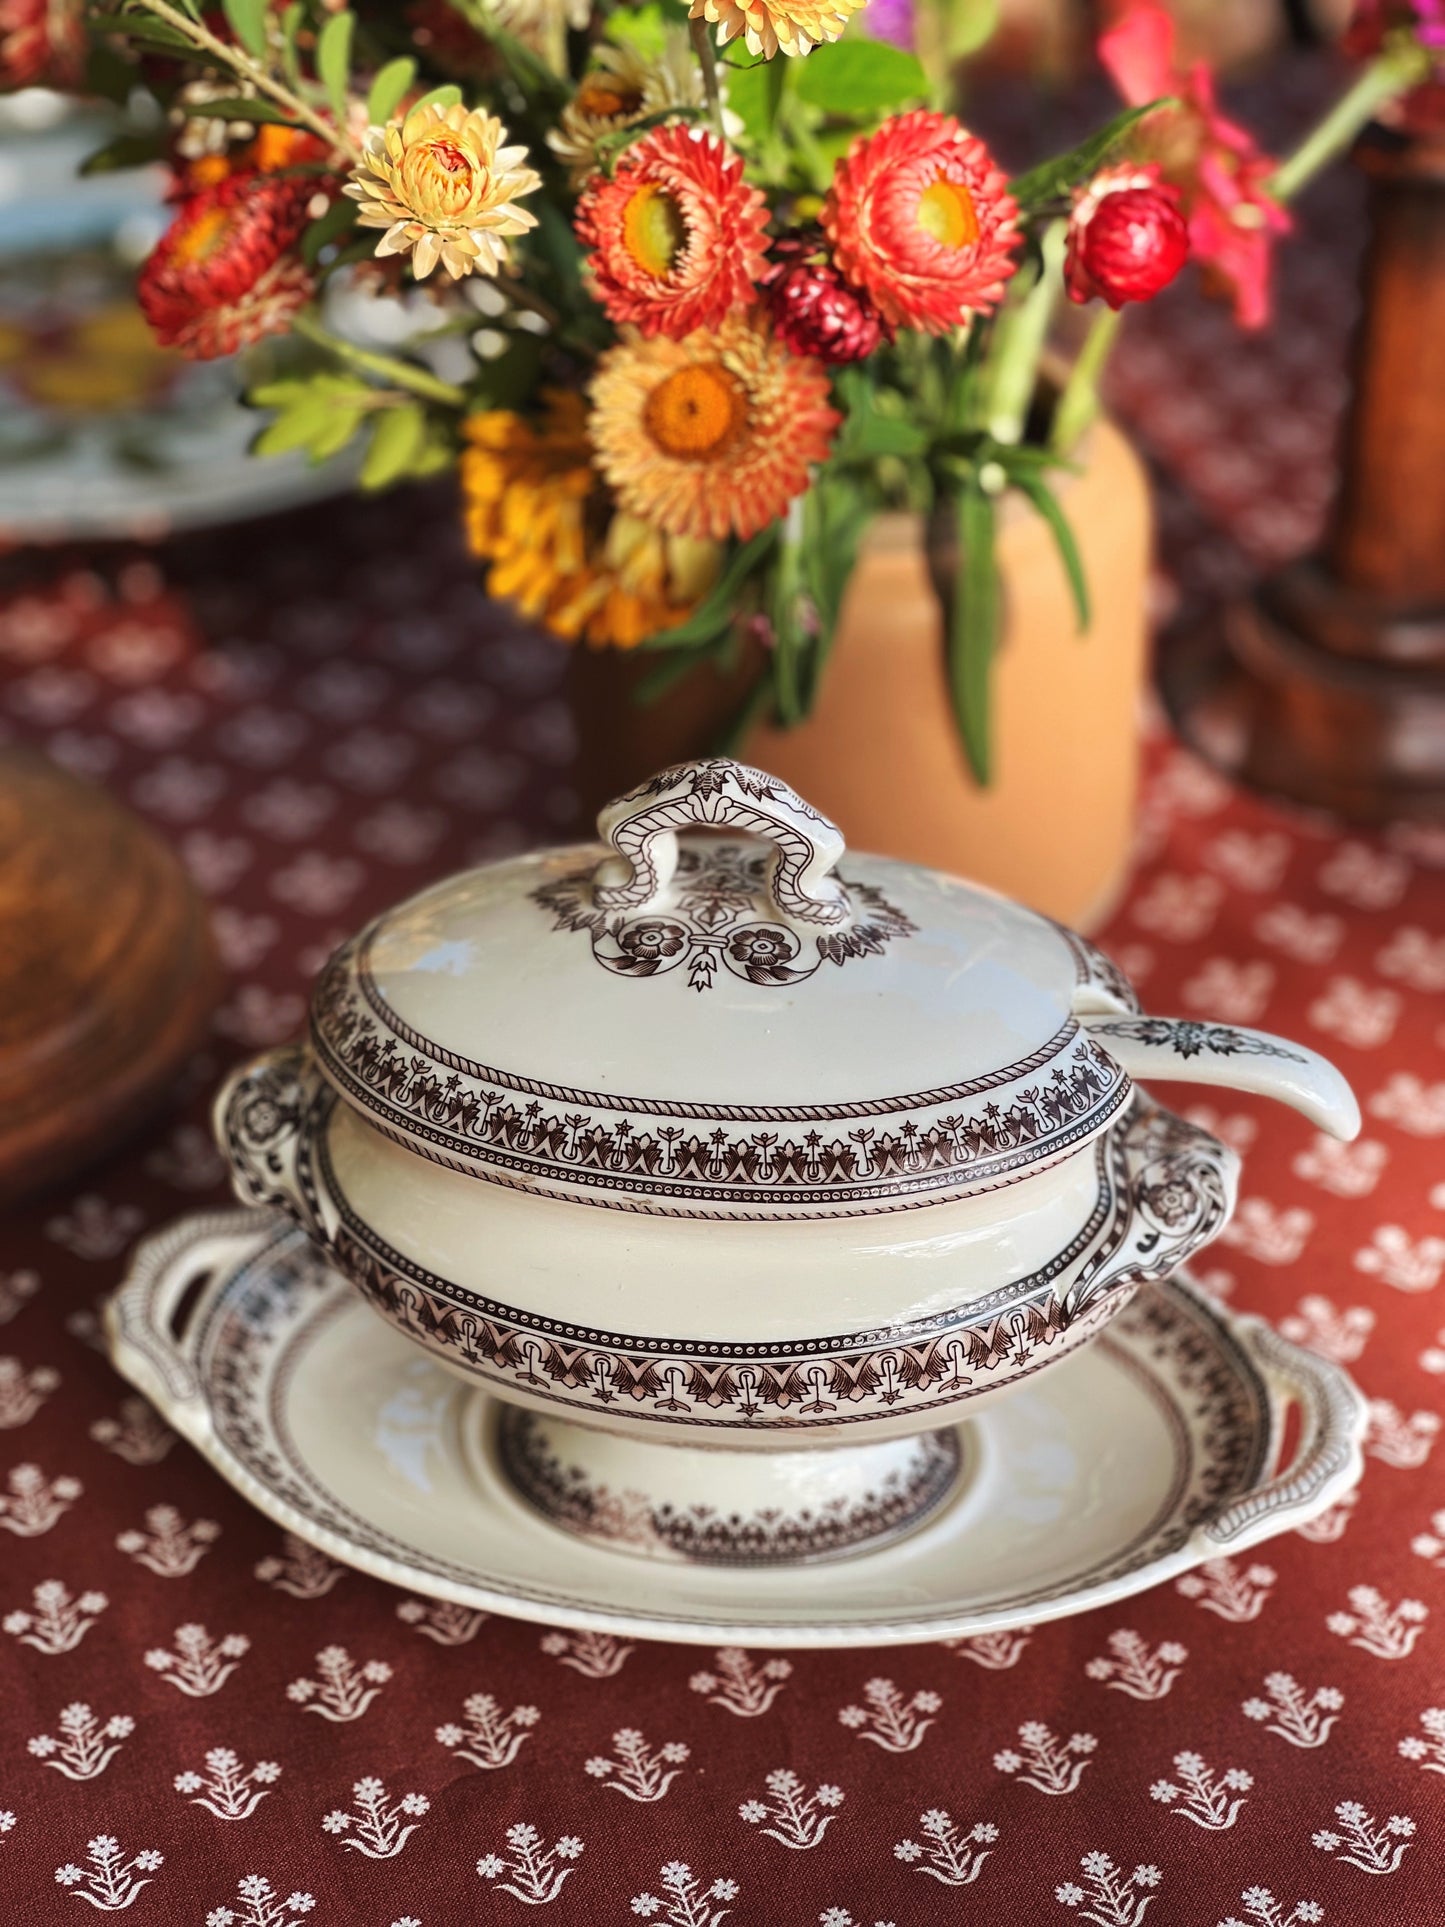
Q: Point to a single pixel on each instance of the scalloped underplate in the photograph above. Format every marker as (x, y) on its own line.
(1146, 1453)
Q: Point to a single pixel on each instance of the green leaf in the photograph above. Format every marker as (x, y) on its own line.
(968, 585)
(293, 429)
(333, 59)
(1047, 504)
(753, 95)
(142, 29)
(1052, 179)
(239, 107)
(447, 96)
(126, 150)
(342, 426)
(388, 88)
(708, 621)
(292, 21)
(247, 20)
(397, 440)
(328, 227)
(862, 78)
(643, 27)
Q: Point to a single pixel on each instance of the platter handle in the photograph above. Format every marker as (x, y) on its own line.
(1327, 1459)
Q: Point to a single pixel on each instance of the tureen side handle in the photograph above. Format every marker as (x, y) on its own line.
(146, 1343)
(1192, 1052)
(1326, 1461)
(641, 830)
(262, 1118)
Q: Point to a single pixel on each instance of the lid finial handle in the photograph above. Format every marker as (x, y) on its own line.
(719, 794)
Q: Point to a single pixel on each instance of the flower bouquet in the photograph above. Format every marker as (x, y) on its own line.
(689, 293)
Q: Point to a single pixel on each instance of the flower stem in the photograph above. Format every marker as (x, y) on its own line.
(241, 62)
(707, 59)
(1078, 405)
(1401, 66)
(401, 374)
(1019, 341)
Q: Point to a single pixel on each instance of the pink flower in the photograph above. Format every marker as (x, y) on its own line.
(1218, 166)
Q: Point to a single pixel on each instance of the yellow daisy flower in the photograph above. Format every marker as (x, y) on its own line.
(795, 26)
(621, 87)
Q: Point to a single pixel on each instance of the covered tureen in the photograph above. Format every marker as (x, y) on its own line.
(737, 1170)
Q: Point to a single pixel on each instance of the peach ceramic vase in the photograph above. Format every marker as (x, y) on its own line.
(880, 754)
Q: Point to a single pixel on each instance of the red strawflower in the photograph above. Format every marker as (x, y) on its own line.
(814, 311)
(41, 42)
(920, 218)
(677, 237)
(223, 274)
(1222, 172)
(1127, 237)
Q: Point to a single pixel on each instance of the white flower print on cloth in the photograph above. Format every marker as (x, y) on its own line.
(1110, 1897)
(1308, 939)
(1273, 1237)
(56, 1622)
(1431, 1545)
(94, 1229)
(995, 1652)
(22, 1392)
(888, 1719)
(1304, 1719)
(316, 885)
(534, 1872)
(86, 1745)
(1229, 1590)
(1321, 1327)
(34, 1503)
(1395, 1258)
(1360, 1841)
(1405, 1100)
(740, 1684)
(1427, 1750)
(1211, 1800)
(216, 863)
(1265, 1911)
(946, 1852)
(593, 1655)
(1234, 1128)
(256, 1016)
(1359, 1015)
(198, 1665)
(227, 1788)
(1331, 1523)
(17, 1288)
(1398, 1439)
(138, 1435)
(109, 1881)
(1043, 1761)
(1364, 876)
(288, 811)
(168, 1546)
(1432, 1360)
(377, 1826)
(637, 1770)
(1344, 1170)
(1133, 1667)
(441, 1620)
(1253, 863)
(189, 1160)
(1179, 909)
(156, 718)
(1389, 1632)
(342, 1690)
(179, 789)
(685, 1901)
(400, 833)
(490, 1738)
(262, 1906)
(794, 1817)
(242, 941)
(1231, 993)
(1414, 957)
(299, 1569)
(841, 1917)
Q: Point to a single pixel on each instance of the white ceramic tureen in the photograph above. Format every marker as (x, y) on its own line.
(713, 1139)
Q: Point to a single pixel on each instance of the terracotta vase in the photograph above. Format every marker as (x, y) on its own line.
(880, 752)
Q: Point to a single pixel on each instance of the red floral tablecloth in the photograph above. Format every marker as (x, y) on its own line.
(323, 714)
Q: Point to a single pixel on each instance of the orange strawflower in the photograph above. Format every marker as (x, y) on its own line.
(677, 237)
(795, 26)
(713, 435)
(223, 274)
(537, 511)
(920, 218)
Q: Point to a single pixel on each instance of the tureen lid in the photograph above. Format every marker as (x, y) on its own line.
(718, 1013)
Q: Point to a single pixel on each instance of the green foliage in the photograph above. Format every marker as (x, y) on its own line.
(333, 60)
(321, 413)
(1052, 180)
(247, 20)
(328, 227)
(1047, 503)
(859, 78)
(388, 89)
(126, 150)
(447, 96)
(967, 578)
(240, 107)
(715, 615)
(753, 94)
(144, 30)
